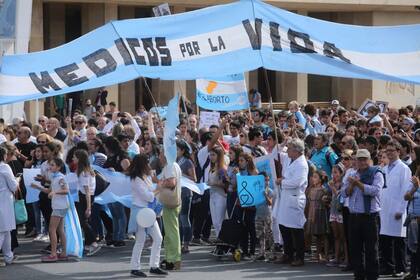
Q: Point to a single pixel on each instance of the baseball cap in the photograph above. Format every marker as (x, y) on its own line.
(335, 102)
(409, 121)
(363, 153)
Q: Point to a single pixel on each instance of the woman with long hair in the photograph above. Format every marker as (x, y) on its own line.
(142, 195)
(86, 185)
(117, 161)
(234, 153)
(218, 187)
(188, 170)
(246, 167)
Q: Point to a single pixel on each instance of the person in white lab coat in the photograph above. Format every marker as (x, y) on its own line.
(393, 212)
(290, 211)
(8, 185)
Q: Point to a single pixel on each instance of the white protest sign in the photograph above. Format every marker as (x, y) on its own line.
(162, 10)
(32, 194)
(208, 119)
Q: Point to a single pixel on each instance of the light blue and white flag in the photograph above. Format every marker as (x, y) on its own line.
(169, 132)
(211, 42)
(74, 238)
(119, 189)
(227, 93)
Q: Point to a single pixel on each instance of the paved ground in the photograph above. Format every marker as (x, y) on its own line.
(198, 265)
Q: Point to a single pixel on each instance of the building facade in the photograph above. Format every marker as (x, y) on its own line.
(56, 22)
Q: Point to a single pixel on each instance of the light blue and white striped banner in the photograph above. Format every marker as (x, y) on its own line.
(226, 93)
(213, 42)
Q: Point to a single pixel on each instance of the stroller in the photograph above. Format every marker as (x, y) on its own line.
(230, 236)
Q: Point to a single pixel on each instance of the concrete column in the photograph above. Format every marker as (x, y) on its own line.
(111, 13)
(36, 43)
(127, 90)
(56, 36)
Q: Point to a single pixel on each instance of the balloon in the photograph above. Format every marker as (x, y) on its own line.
(146, 217)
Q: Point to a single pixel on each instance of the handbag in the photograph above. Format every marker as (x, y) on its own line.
(21, 215)
(169, 197)
(101, 183)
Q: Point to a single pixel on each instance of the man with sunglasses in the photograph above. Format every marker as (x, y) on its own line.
(363, 187)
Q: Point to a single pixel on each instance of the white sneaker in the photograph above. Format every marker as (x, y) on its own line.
(38, 237)
(45, 239)
(131, 237)
(92, 249)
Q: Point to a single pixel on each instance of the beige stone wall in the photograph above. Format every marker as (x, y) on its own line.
(397, 94)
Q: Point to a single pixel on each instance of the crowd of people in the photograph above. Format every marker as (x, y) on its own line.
(347, 185)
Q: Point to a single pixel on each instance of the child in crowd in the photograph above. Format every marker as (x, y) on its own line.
(60, 204)
(263, 220)
(336, 217)
(317, 222)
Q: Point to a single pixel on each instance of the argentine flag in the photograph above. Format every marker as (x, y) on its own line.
(73, 231)
(226, 93)
(169, 131)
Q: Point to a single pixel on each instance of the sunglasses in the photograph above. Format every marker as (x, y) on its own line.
(78, 122)
(41, 121)
(346, 158)
(42, 142)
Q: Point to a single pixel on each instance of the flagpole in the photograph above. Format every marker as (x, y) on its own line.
(151, 95)
(274, 119)
(178, 83)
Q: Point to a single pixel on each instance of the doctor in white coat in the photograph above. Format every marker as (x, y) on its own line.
(290, 211)
(8, 185)
(393, 212)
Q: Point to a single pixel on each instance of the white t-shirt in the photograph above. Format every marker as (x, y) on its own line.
(141, 191)
(86, 179)
(173, 172)
(58, 183)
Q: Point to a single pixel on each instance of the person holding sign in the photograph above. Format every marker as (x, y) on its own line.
(290, 213)
(248, 168)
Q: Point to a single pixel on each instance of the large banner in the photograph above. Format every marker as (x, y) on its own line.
(222, 94)
(213, 42)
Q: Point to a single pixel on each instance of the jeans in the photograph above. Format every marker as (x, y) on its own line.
(81, 207)
(100, 219)
(184, 216)
(37, 217)
(200, 213)
(364, 238)
(250, 236)
(119, 221)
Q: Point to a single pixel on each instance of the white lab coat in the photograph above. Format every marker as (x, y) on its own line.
(8, 186)
(392, 200)
(291, 202)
